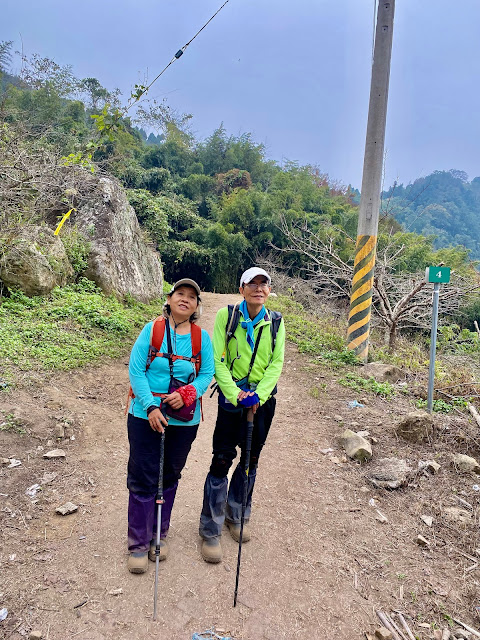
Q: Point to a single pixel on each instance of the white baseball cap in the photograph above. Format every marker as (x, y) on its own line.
(250, 274)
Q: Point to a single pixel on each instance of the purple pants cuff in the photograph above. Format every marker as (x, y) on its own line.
(142, 518)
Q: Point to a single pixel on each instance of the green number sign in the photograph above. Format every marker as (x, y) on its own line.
(437, 274)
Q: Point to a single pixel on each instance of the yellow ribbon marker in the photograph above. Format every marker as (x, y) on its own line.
(62, 221)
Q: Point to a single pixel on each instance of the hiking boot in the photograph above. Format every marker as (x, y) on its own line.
(234, 528)
(211, 550)
(137, 562)
(163, 550)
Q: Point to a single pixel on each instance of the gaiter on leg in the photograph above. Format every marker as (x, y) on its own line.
(213, 511)
(235, 494)
(141, 511)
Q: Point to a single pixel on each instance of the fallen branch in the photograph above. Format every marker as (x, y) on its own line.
(475, 324)
(465, 626)
(399, 631)
(474, 413)
(404, 624)
(384, 620)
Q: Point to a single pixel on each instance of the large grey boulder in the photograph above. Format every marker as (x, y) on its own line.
(34, 260)
(120, 261)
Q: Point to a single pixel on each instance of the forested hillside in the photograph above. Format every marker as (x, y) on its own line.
(443, 204)
(210, 206)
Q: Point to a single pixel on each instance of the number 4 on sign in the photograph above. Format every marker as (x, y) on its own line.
(437, 274)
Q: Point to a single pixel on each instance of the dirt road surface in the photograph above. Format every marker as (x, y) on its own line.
(318, 563)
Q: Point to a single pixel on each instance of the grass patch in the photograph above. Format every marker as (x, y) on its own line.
(10, 423)
(359, 384)
(74, 326)
(440, 406)
(317, 337)
(409, 354)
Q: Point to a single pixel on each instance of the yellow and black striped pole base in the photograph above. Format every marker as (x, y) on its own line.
(361, 296)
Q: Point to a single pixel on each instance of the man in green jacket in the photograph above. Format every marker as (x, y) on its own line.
(247, 370)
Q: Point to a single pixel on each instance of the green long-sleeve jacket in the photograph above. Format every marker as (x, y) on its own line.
(266, 369)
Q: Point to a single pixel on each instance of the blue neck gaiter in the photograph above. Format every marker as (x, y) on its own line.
(249, 324)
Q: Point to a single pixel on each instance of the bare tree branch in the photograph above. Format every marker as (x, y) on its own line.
(400, 300)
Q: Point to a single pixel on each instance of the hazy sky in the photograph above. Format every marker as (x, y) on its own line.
(296, 74)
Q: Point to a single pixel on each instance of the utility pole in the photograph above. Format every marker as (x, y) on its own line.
(362, 284)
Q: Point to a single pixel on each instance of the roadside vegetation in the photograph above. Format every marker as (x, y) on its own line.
(74, 326)
(323, 337)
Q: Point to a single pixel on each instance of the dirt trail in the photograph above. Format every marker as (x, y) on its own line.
(316, 567)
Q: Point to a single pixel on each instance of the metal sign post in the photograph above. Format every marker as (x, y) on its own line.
(437, 275)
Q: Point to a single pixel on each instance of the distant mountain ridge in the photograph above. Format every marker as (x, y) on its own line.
(443, 204)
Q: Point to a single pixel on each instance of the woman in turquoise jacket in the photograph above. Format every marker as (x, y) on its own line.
(152, 386)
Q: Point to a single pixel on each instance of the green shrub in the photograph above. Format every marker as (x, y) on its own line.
(317, 337)
(359, 384)
(441, 406)
(74, 326)
(452, 338)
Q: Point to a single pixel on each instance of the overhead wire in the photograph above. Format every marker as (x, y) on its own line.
(179, 53)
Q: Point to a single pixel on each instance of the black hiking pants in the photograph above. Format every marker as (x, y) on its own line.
(142, 477)
(219, 500)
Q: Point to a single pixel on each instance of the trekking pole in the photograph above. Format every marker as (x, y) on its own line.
(248, 447)
(159, 501)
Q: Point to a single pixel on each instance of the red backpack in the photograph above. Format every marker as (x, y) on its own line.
(156, 339)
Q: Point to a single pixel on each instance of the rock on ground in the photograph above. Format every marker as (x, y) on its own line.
(459, 517)
(389, 473)
(415, 427)
(465, 463)
(34, 261)
(356, 447)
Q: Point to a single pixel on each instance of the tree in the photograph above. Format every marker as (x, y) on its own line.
(44, 73)
(5, 55)
(166, 120)
(96, 95)
(220, 153)
(401, 298)
(443, 205)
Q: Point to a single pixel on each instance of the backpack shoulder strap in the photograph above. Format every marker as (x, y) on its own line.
(158, 332)
(276, 319)
(156, 338)
(196, 337)
(232, 321)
